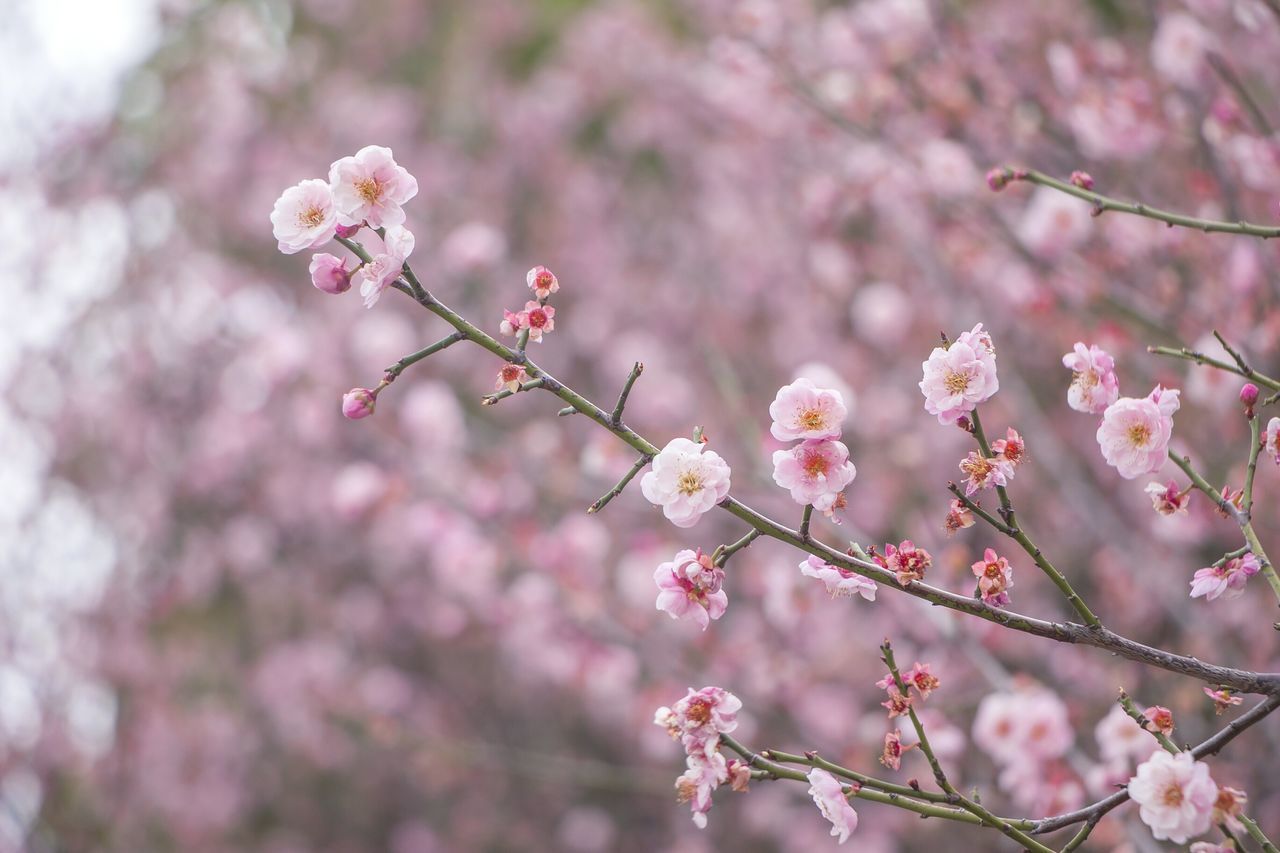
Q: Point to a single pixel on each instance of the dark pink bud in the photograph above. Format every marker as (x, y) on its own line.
(1083, 180)
(358, 403)
(1249, 394)
(346, 231)
(998, 178)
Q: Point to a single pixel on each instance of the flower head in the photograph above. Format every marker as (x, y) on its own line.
(542, 281)
(689, 586)
(1160, 719)
(921, 679)
(538, 319)
(303, 216)
(1168, 499)
(387, 264)
(1222, 698)
(370, 187)
(802, 410)
(891, 756)
(1228, 807)
(959, 517)
(959, 377)
(686, 480)
(840, 583)
(814, 469)
(329, 273)
(704, 772)
(994, 578)
(510, 377)
(1012, 448)
(1175, 795)
(828, 794)
(984, 472)
(906, 561)
(1134, 434)
(1120, 738)
(898, 702)
(1094, 385)
(701, 716)
(1226, 580)
(359, 402)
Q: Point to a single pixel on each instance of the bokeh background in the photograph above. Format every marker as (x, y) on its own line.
(232, 620)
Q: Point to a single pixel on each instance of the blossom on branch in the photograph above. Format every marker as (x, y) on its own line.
(387, 264)
(542, 281)
(1094, 385)
(686, 480)
(1012, 448)
(1226, 580)
(994, 578)
(814, 470)
(690, 586)
(984, 472)
(1168, 499)
(1134, 434)
(303, 217)
(802, 410)
(359, 403)
(828, 794)
(1175, 795)
(959, 377)
(906, 560)
(840, 583)
(370, 187)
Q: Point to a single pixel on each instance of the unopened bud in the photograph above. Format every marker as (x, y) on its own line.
(358, 403)
(1083, 180)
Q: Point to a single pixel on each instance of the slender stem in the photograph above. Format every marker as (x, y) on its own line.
(490, 399)
(621, 484)
(1255, 445)
(1200, 358)
(973, 507)
(1238, 845)
(396, 369)
(1256, 833)
(1245, 369)
(616, 417)
(814, 760)
(1145, 724)
(1102, 204)
(724, 552)
(804, 521)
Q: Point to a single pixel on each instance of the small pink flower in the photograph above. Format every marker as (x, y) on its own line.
(303, 217)
(1226, 580)
(921, 679)
(1175, 795)
(387, 264)
(689, 586)
(538, 319)
(959, 377)
(358, 403)
(959, 517)
(700, 717)
(829, 504)
(1011, 449)
(1083, 180)
(1167, 499)
(513, 322)
(1235, 497)
(330, 273)
(739, 776)
(984, 472)
(1228, 807)
(906, 561)
(1134, 434)
(840, 583)
(510, 378)
(686, 481)
(814, 469)
(1222, 698)
(370, 187)
(703, 774)
(1159, 718)
(1094, 385)
(1027, 725)
(994, 578)
(891, 756)
(542, 281)
(802, 410)
(1272, 439)
(898, 702)
(828, 794)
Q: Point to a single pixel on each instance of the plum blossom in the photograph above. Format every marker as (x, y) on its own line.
(537, 318)
(703, 774)
(984, 472)
(686, 480)
(1179, 47)
(1159, 718)
(1168, 499)
(542, 282)
(830, 503)
(370, 187)
(959, 377)
(898, 702)
(1271, 439)
(994, 578)
(387, 264)
(1012, 448)
(303, 217)
(1226, 580)
(739, 775)
(906, 561)
(1134, 434)
(701, 716)
(828, 794)
(921, 679)
(1175, 795)
(329, 273)
(1120, 738)
(690, 586)
(1094, 385)
(840, 583)
(891, 756)
(802, 410)
(1228, 807)
(1222, 698)
(814, 470)
(958, 517)
(510, 377)
(1027, 725)
(359, 403)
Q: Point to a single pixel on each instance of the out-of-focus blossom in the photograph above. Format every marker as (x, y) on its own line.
(1134, 434)
(1121, 739)
(1094, 385)
(1179, 47)
(828, 794)
(802, 410)
(1222, 698)
(303, 216)
(371, 187)
(686, 480)
(1272, 439)
(1228, 807)
(813, 470)
(1053, 223)
(840, 583)
(1023, 725)
(994, 578)
(1175, 795)
(329, 273)
(1226, 580)
(690, 586)
(959, 377)
(1168, 499)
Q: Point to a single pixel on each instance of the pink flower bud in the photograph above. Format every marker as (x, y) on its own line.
(346, 232)
(1083, 180)
(1249, 395)
(998, 178)
(329, 273)
(358, 403)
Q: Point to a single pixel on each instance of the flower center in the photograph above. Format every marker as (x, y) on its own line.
(1172, 795)
(993, 570)
(699, 711)
(812, 419)
(977, 468)
(956, 383)
(815, 465)
(543, 280)
(1086, 379)
(310, 217)
(1139, 435)
(689, 483)
(370, 189)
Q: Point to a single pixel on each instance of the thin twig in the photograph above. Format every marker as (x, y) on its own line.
(616, 417)
(621, 484)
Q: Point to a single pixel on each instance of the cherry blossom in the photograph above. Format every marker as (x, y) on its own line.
(1094, 385)
(802, 410)
(1121, 739)
(814, 470)
(690, 586)
(1135, 433)
(828, 794)
(1175, 795)
(686, 480)
(304, 216)
(370, 187)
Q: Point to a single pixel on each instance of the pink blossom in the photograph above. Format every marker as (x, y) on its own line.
(1168, 499)
(739, 775)
(1178, 48)
(1228, 807)
(686, 480)
(1159, 718)
(828, 794)
(330, 274)
(906, 561)
(1120, 738)
(1029, 724)
(1175, 795)
(303, 216)
(1053, 223)
(984, 472)
(959, 517)
(1222, 698)
(703, 774)
(539, 319)
(1226, 580)
(387, 264)
(813, 470)
(802, 410)
(891, 756)
(542, 281)
(370, 187)
(1272, 439)
(921, 679)
(840, 583)
(1094, 385)
(898, 703)
(994, 578)
(513, 322)
(689, 586)
(358, 403)
(1012, 448)
(701, 716)
(510, 377)
(829, 503)
(959, 377)
(1134, 434)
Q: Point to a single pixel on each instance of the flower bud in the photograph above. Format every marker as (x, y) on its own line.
(346, 232)
(330, 274)
(1083, 180)
(998, 178)
(358, 403)
(1249, 395)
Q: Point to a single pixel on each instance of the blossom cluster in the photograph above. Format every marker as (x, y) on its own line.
(689, 586)
(817, 470)
(697, 721)
(1027, 732)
